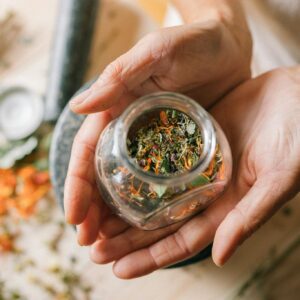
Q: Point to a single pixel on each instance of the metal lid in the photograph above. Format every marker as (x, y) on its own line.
(21, 112)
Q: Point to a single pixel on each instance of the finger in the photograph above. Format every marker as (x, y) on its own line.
(259, 204)
(189, 240)
(87, 231)
(80, 181)
(108, 250)
(133, 239)
(182, 244)
(112, 226)
(119, 78)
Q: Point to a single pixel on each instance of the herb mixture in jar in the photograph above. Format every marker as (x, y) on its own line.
(169, 144)
(162, 160)
(165, 142)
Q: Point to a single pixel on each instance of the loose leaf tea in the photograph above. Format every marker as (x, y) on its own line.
(163, 160)
(165, 143)
(170, 144)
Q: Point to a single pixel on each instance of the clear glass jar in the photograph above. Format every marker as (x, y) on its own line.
(151, 201)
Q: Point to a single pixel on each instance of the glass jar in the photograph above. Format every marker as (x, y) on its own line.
(150, 201)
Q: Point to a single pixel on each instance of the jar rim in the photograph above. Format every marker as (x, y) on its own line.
(170, 100)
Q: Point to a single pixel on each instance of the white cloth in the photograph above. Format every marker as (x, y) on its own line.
(275, 27)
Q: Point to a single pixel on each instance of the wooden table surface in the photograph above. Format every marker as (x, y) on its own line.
(27, 64)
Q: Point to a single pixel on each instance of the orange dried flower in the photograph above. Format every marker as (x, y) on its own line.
(163, 117)
(21, 189)
(6, 243)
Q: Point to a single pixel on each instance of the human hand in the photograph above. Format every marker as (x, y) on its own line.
(261, 121)
(203, 60)
(264, 133)
(185, 58)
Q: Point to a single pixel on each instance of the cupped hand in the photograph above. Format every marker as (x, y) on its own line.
(261, 121)
(203, 60)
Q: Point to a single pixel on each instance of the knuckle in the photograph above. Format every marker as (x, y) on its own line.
(279, 76)
(182, 244)
(249, 223)
(99, 257)
(82, 148)
(170, 250)
(158, 45)
(157, 257)
(130, 242)
(113, 72)
(151, 37)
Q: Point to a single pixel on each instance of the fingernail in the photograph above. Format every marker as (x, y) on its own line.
(78, 236)
(219, 264)
(80, 98)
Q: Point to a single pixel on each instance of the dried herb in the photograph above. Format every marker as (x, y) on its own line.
(24, 264)
(24, 202)
(7, 242)
(73, 286)
(9, 294)
(53, 244)
(10, 29)
(164, 143)
(170, 144)
(21, 190)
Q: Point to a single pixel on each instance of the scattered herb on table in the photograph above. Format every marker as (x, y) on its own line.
(10, 29)
(53, 244)
(9, 294)
(73, 286)
(23, 190)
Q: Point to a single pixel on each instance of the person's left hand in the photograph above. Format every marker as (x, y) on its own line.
(203, 60)
(261, 120)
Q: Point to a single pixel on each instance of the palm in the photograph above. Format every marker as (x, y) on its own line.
(251, 198)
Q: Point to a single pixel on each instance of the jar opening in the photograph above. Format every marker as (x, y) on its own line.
(166, 107)
(165, 142)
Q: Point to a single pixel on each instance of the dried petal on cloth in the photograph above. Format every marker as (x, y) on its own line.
(20, 191)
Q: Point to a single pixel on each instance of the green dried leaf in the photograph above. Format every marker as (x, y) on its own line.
(165, 167)
(200, 180)
(159, 189)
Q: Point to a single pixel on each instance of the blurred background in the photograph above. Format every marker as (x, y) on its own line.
(43, 62)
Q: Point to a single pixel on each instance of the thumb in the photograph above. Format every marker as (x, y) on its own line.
(119, 78)
(258, 205)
